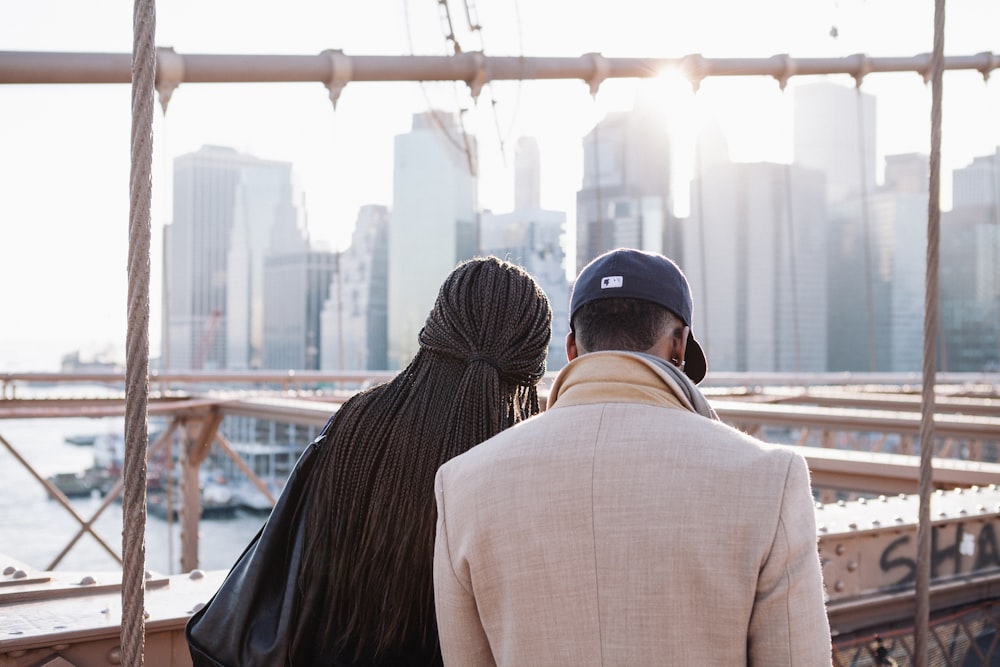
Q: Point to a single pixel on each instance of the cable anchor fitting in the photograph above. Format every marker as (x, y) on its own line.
(169, 74)
(341, 71)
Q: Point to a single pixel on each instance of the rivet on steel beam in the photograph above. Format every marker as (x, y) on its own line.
(993, 487)
(840, 549)
(20, 574)
(962, 512)
(975, 488)
(980, 508)
(822, 528)
(898, 519)
(115, 656)
(939, 492)
(876, 523)
(841, 503)
(852, 565)
(9, 570)
(196, 574)
(883, 499)
(88, 581)
(958, 490)
(862, 501)
(839, 586)
(852, 526)
(943, 515)
(818, 505)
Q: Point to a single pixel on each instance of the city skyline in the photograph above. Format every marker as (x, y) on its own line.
(65, 199)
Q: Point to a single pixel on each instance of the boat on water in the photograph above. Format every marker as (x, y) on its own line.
(84, 483)
(81, 439)
(217, 502)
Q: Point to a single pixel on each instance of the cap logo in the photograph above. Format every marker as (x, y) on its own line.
(609, 282)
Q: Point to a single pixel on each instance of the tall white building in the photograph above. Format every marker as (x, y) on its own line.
(225, 205)
(527, 175)
(876, 273)
(533, 239)
(978, 184)
(970, 279)
(296, 285)
(834, 132)
(433, 223)
(625, 199)
(354, 319)
(754, 255)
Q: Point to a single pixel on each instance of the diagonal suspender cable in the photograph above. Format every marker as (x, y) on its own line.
(922, 619)
(137, 336)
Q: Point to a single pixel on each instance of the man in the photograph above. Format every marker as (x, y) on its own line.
(627, 525)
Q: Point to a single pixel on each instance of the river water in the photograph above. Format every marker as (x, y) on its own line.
(34, 528)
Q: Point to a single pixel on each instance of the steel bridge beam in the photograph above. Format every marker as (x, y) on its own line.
(334, 68)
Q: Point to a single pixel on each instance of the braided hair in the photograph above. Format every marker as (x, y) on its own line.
(371, 518)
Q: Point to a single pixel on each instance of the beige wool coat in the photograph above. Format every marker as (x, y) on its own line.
(621, 528)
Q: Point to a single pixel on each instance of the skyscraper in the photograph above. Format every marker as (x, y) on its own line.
(970, 280)
(433, 225)
(533, 239)
(626, 197)
(355, 316)
(834, 132)
(754, 255)
(225, 204)
(296, 283)
(877, 268)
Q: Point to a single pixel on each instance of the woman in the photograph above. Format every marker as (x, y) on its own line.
(370, 541)
(345, 577)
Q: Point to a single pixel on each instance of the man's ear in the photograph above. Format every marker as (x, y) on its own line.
(571, 350)
(679, 344)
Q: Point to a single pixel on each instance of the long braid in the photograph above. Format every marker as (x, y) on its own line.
(371, 518)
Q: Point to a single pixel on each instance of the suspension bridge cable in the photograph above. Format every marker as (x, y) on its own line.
(922, 616)
(133, 624)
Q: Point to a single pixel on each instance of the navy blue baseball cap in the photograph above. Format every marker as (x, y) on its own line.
(626, 273)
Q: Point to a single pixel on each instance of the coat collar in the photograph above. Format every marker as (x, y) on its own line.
(618, 377)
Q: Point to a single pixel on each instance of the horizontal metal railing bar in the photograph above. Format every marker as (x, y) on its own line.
(37, 67)
(857, 420)
(101, 407)
(882, 609)
(828, 397)
(880, 473)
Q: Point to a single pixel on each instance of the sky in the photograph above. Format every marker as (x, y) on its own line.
(64, 149)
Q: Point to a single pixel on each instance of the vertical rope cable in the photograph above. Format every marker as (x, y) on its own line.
(137, 336)
(922, 619)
